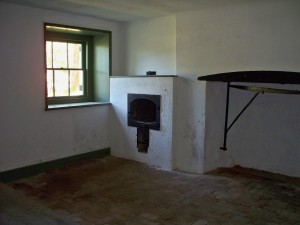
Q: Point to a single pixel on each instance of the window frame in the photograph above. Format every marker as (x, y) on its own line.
(99, 68)
(87, 59)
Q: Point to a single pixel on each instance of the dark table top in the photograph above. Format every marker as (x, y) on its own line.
(278, 77)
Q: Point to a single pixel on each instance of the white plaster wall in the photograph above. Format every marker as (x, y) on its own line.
(150, 45)
(245, 35)
(265, 137)
(124, 138)
(238, 35)
(189, 123)
(28, 134)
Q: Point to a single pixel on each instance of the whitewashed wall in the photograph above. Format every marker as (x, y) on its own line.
(226, 36)
(189, 126)
(123, 137)
(29, 134)
(243, 35)
(222, 36)
(150, 44)
(265, 137)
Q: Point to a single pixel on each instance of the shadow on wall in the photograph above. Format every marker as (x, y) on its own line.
(118, 132)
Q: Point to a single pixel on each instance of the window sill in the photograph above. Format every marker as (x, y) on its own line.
(76, 105)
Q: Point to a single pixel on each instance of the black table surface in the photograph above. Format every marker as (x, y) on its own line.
(278, 77)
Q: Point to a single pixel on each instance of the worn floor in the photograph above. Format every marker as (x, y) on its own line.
(117, 191)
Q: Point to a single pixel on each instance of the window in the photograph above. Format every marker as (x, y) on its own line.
(72, 57)
(68, 72)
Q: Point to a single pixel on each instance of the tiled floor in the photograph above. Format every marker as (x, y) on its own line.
(118, 191)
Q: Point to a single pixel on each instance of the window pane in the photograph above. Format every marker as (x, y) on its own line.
(60, 55)
(76, 83)
(74, 55)
(50, 83)
(61, 83)
(49, 54)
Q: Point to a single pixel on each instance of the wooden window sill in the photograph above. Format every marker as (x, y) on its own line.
(76, 105)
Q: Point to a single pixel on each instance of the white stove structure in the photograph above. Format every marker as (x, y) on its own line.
(124, 140)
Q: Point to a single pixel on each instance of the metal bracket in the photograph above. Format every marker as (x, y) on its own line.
(226, 127)
(270, 77)
(258, 90)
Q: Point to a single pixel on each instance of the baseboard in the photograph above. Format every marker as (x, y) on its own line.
(27, 171)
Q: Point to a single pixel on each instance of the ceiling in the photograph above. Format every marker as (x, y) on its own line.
(119, 10)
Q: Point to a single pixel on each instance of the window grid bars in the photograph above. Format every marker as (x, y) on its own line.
(68, 69)
(53, 73)
(69, 91)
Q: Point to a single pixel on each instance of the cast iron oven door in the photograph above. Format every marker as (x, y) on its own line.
(143, 113)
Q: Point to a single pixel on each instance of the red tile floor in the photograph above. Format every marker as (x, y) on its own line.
(119, 191)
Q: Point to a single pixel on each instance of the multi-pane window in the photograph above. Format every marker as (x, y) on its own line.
(77, 65)
(69, 65)
(65, 68)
